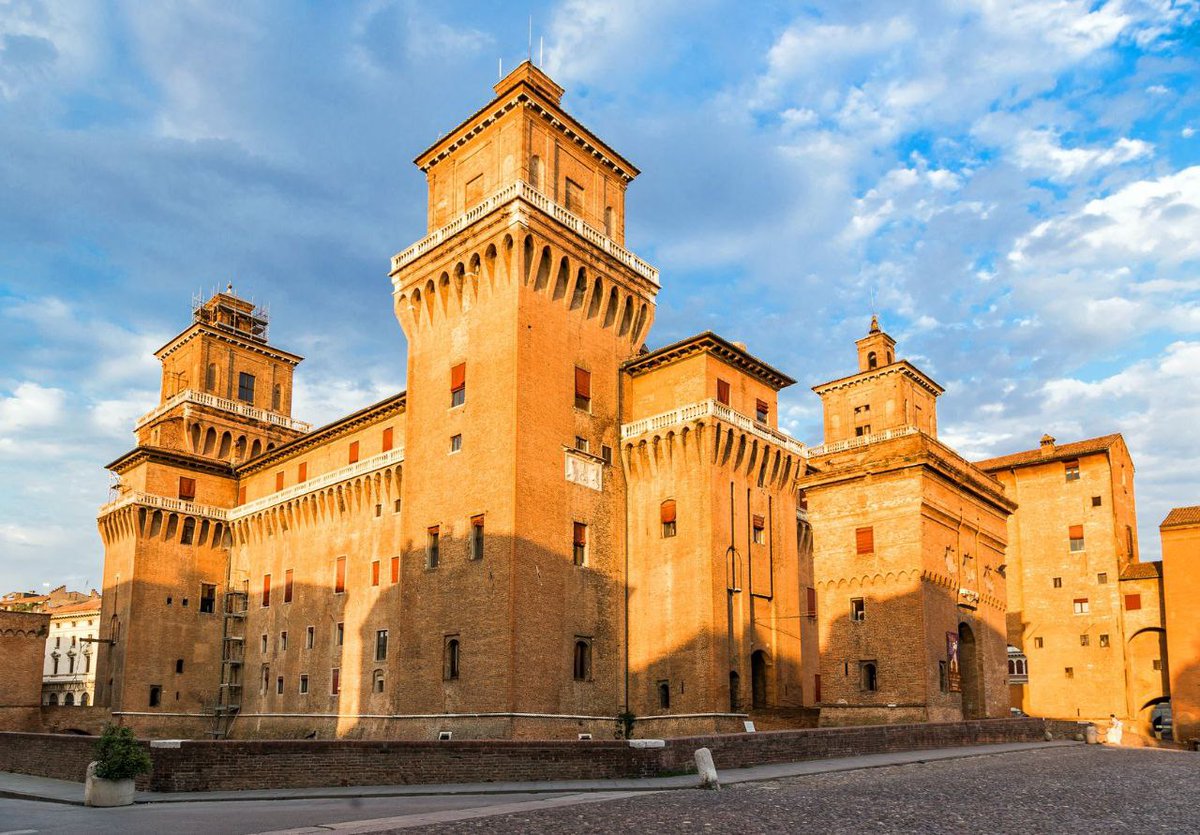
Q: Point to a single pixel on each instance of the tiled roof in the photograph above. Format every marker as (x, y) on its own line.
(92, 605)
(1142, 571)
(1182, 516)
(1059, 452)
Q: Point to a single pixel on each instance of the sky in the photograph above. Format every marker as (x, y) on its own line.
(1013, 184)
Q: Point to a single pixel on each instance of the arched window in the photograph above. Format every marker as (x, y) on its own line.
(69, 699)
(189, 531)
(583, 660)
(377, 681)
(869, 676)
(83, 700)
(872, 360)
(664, 695)
(53, 698)
(451, 664)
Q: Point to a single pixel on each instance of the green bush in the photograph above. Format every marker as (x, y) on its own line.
(119, 756)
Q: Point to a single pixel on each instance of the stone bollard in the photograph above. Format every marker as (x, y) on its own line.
(706, 769)
(1090, 735)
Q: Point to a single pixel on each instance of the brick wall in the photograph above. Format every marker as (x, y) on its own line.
(214, 765)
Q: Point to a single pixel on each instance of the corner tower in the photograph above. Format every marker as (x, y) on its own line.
(519, 308)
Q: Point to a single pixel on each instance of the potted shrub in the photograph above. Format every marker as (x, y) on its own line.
(119, 759)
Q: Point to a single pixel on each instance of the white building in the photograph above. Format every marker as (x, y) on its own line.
(69, 674)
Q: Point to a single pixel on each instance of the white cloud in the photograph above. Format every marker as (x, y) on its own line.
(31, 406)
(1042, 151)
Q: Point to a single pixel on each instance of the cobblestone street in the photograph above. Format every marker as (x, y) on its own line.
(1075, 789)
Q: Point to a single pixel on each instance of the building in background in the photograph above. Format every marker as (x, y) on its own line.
(1084, 613)
(22, 648)
(1180, 533)
(69, 671)
(28, 601)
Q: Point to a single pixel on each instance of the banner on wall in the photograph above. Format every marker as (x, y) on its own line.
(954, 677)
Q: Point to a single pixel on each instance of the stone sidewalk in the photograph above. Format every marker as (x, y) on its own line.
(26, 787)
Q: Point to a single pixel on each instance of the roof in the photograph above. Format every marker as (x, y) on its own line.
(732, 353)
(1142, 571)
(1182, 516)
(898, 367)
(91, 605)
(1051, 452)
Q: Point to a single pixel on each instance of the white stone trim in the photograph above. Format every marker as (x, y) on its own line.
(200, 398)
(711, 408)
(367, 465)
(854, 443)
(163, 503)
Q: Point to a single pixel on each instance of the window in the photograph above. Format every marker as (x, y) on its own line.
(608, 221)
(187, 489)
(535, 172)
(762, 410)
(579, 543)
(433, 546)
(1104, 640)
(450, 659)
(377, 681)
(335, 681)
(1133, 602)
(279, 686)
(1102, 578)
(339, 634)
(864, 540)
(276, 397)
(395, 569)
(455, 443)
(396, 506)
(1071, 470)
(263, 644)
(944, 677)
(155, 695)
(302, 472)
(583, 660)
(1039, 642)
(872, 360)
(1129, 541)
(666, 512)
(279, 480)
(188, 532)
(476, 538)
(583, 389)
(55, 659)
(858, 608)
(266, 590)
(758, 530)
(664, 695)
(1081, 605)
(863, 409)
(310, 637)
(1084, 640)
(283, 641)
(210, 377)
(811, 603)
(1096, 501)
(246, 387)
(817, 688)
(574, 195)
(582, 444)
(303, 684)
(458, 385)
(1156, 665)
(1057, 582)
(381, 638)
(1075, 532)
(606, 454)
(289, 585)
(868, 672)
(388, 439)
(241, 495)
(861, 431)
(339, 576)
(1069, 672)
(374, 572)
(354, 452)
(208, 598)
(723, 392)
(378, 510)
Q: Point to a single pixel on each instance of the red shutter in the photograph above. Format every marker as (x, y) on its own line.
(667, 511)
(580, 533)
(354, 452)
(812, 604)
(302, 471)
(387, 439)
(241, 495)
(477, 521)
(1076, 532)
(864, 540)
(266, 589)
(458, 376)
(1133, 602)
(760, 521)
(375, 572)
(187, 488)
(583, 383)
(336, 684)
(723, 392)
(395, 569)
(340, 579)
(287, 586)
(279, 480)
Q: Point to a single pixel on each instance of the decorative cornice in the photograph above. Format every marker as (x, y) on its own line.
(711, 408)
(196, 329)
(136, 497)
(367, 465)
(709, 342)
(902, 367)
(176, 458)
(200, 398)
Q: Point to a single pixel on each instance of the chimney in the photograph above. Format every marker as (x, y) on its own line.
(1047, 441)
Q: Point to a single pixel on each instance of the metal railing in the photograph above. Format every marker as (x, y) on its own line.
(201, 398)
(520, 190)
(711, 408)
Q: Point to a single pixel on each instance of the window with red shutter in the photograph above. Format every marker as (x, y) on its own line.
(1075, 533)
(723, 392)
(579, 543)
(583, 389)
(762, 410)
(187, 488)
(339, 580)
(287, 586)
(375, 572)
(811, 609)
(241, 495)
(759, 526)
(864, 540)
(279, 480)
(666, 513)
(387, 439)
(354, 452)
(395, 569)
(266, 590)
(302, 471)
(1133, 602)
(458, 384)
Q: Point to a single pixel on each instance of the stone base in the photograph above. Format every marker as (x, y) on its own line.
(104, 793)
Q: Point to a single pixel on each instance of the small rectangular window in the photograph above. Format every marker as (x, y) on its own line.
(246, 387)
(762, 410)
(1084, 640)
(1071, 470)
(374, 572)
(208, 598)
(381, 642)
(263, 644)
(339, 576)
(283, 641)
(335, 681)
(858, 609)
(178, 666)
(388, 439)
(583, 389)
(1039, 642)
(433, 546)
(279, 686)
(1133, 602)
(339, 634)
(455, 443)
(241, 495)
(582, 444)
(864, 540)
(1103, 640)
(868, 676)
(354, 452)
(723, 392)
(943, 677)
(303, 684)
(666, 514)
(302, 472)
(279, 480)
(1156, 665)
(579, 543)
(1102, 577)
(1069, 672)
(758, 528)
(1096, 501)
(310, 637)
(266, 597)
(606, 454)
(395, 570)
(574, 195)
(451, 658)
(477, 537)
(1075, 533)
(155, 695)
(458, 385)
(1057, 582)
(1081, 606)
(810, 608)
(288, 585)
(396, 506)
(187, 489)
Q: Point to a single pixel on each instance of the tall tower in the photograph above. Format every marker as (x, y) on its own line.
(226, 397)
(519, 308)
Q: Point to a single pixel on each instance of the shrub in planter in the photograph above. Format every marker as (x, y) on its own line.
(119, 759)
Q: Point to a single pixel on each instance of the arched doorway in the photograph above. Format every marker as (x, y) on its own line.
(758, 679)
(968, 667)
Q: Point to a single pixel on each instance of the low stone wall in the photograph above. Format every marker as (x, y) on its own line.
(77, 720)
(212, 765)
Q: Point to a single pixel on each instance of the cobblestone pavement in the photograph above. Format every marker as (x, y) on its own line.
(1077, 789)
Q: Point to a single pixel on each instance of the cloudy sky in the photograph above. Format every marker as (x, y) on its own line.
(1016, 183)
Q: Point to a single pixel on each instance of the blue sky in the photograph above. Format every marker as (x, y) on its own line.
(1016, 183)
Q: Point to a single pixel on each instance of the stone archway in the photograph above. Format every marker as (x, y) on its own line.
(970, 675)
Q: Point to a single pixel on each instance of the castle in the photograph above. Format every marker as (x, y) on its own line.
(553, 531)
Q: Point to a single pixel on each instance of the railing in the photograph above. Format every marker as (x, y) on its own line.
(523, 191)
(163, 503)
(367, 465)
(201, 398)
(854, 443)
(711, 408)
